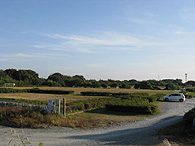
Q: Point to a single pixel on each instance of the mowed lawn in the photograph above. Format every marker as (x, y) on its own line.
(76, 96)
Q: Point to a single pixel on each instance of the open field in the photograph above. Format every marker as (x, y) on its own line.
(76, 96)
(114, 90)
(100, 116)
(46, 97)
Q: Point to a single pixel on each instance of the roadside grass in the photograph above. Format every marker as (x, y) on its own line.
(182, 132)
(191, 93)
(23, 118)
(106, 118)
(178, 133)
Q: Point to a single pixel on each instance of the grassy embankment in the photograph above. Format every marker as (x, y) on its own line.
(93, 118)
(183, 132)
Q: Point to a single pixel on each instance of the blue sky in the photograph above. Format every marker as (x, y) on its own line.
(99, 39)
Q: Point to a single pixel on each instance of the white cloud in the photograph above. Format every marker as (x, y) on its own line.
(33, 56)
(107, 41)
(180, 32)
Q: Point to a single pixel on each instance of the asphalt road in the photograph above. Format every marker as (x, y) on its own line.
(138, 133)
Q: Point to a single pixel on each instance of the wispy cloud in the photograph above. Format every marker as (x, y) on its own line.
(98, 43)
(105, 39)
(180, 32)
(23, 56)
(143, 64)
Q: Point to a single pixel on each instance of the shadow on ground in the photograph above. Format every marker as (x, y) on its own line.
(131, 136)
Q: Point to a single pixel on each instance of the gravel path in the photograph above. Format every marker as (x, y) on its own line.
(138, 133)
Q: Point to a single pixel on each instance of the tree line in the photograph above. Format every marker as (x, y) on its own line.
(31, 78)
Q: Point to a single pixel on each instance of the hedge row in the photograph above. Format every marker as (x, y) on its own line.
(91, 93)
(35, 90)
(189, 116)
(87, 104)
(135, 105)
(10, 90)
(50, 91)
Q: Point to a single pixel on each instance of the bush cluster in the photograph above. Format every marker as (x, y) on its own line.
(155, 97)
(23, 118)
(87, 104)
(189, 116)
(134, 105)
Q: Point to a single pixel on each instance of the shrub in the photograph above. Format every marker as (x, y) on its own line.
(87, 104)
(91, 93)
(36, 90)
(11, 90)
(75, 106)
(188, 117)
(136, 105)
(22, 118)
(155, 97)
(140, 94)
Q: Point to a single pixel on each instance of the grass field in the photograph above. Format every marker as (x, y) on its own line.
(76, 95)
(95, 118)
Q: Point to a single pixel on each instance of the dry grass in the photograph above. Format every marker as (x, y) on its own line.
(46, 97)
(73, 97)
(78, 90)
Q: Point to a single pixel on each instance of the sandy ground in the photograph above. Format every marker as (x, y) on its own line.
(137, 133)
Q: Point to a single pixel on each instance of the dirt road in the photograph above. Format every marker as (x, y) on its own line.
(138, 133)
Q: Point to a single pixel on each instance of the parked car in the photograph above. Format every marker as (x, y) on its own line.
(175, 97)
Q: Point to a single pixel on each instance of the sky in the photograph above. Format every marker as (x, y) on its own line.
(99, 39)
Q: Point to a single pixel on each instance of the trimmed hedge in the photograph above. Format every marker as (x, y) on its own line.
(87, 104)
(91, 93)
(35, 90)
(10, 90)
(135, 105)
(50, 91)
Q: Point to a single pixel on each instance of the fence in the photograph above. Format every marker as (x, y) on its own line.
(24, 105)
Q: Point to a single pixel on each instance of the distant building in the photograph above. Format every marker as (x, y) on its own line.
(9, 84)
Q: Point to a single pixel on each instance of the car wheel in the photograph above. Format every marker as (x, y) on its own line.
(181, 100)
(166, 99)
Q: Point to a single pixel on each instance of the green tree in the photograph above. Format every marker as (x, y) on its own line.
(57, 77)
(143, 85)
